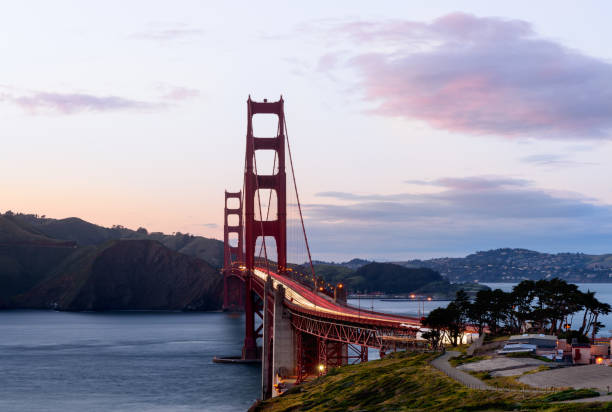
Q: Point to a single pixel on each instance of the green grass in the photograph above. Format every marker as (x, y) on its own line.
(403, 382)
(570, 394)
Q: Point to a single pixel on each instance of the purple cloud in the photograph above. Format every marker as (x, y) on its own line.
(482, 76)
(473, 183)
(552, 160)
(35, 102)
(468, 214)
(181, 93)
(69, 103)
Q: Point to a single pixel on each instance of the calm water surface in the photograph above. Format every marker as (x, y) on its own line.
(128, 361)
(144, 361)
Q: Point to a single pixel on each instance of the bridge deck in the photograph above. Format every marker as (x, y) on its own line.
(307, 301)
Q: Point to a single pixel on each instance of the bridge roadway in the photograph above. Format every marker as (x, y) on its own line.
(304, 300)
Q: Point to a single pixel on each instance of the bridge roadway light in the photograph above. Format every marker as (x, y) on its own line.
(321, 368)
(429, 298)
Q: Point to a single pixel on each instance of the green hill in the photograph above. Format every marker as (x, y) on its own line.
(406, 381)
(25, 257)
(87, 234)
(391, 278)
(369, 277)
(57, 263)
(128, 274)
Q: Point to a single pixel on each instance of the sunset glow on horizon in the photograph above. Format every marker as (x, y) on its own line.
(417, 130)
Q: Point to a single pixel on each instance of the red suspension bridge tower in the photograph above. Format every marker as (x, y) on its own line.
(233, 286)
(254, 228)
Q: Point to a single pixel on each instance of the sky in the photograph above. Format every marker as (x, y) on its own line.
(417, 130)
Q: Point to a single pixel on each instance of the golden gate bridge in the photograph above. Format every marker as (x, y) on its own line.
(306, 325)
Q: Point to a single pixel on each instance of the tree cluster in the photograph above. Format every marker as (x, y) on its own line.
(543, 306)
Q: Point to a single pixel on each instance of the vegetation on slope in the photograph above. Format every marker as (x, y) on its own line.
(72, 264)
(390, 278)
(89, 234)
(128, 274)
(405, 382)
(367, 277)
(542, 306)
(25, 257)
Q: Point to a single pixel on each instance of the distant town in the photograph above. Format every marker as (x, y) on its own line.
(514, 265)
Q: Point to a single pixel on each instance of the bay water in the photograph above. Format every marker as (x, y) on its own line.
(146, 361)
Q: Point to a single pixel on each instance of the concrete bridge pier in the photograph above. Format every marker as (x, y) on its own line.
(268, 343)
(283, 352)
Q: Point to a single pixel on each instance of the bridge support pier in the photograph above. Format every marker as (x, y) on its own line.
(269, 337)
(283, 357)
(249, 350)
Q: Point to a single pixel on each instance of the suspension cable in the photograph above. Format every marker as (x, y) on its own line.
(297, 196)
(269, 198)
(263, 237)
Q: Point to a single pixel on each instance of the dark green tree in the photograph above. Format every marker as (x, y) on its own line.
(433, 337)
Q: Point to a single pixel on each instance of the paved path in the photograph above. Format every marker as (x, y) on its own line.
(588, 376)
(441, 363)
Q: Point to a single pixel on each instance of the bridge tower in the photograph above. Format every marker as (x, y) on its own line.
(255, 228)
(233, 286)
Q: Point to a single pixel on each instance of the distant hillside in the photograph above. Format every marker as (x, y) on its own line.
(128, 274)
(12, 231)
(351, 264)
(58, 263)
(390, 278)
(88, 234)
(514, 265)
(25, 257)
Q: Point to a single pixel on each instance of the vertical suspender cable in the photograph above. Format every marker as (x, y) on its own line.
(263, 237)
(297, 196)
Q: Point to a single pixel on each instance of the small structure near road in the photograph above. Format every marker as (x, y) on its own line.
(537, 344)
(585, 353)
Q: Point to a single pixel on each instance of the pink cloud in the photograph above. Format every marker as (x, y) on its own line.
(482, 76)
(181, 93)
(69, 103)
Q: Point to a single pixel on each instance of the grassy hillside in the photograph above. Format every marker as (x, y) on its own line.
(13, 230)
(127, 274)
(390, 278)
(405, 382)
(89, 234)
(26, 256)
(75, 265)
